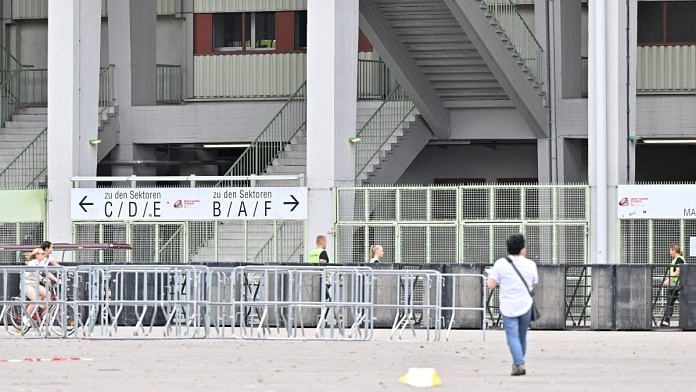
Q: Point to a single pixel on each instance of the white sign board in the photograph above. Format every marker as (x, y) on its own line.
(692, 246)
(657, 202)
(173, 204)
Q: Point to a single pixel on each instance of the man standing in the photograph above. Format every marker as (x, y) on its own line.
(319, 255)
(512, 274)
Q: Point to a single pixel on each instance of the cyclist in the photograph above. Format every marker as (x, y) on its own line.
(33, 281)
(47, 247)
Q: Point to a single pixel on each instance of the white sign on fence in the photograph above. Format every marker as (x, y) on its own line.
(174, 204)
(657, 202)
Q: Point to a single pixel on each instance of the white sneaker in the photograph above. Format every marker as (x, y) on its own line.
(25, 320)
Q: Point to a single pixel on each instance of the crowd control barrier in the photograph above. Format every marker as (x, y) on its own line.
(291, 302)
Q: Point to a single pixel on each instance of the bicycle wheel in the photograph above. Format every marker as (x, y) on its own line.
(59, 319)
(13, 320)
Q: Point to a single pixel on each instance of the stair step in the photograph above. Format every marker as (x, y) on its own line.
(296, 147)
(290, 162)
(21, 137)
(30, 117)
(294, 155)
(34, 110)
(286, 169)
(25, 124)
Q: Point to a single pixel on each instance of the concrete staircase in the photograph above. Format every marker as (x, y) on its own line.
(458, 55)
(15, 137)
(402, 149)
(260, 246)
(294, 159)
(24, 128)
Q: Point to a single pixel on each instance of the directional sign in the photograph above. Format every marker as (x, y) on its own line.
(171, 204)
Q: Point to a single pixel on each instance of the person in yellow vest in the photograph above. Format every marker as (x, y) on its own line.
(376, 253)
(319, 255)
(672, 281)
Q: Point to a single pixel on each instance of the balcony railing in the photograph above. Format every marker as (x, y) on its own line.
(34, 83)
(10, 86)
(169, 84)
(275, 76)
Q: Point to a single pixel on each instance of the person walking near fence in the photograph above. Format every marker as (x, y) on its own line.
(319, 255)
(512, 273)
(376, 253)
(672, 282)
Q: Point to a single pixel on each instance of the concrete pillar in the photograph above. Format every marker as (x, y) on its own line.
(332, 44)
(609, 121)
(73, 94)
(132, 44)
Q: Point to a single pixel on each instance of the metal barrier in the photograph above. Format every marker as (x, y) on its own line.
(269, 302)
(412, 309)
(282, 302)
(458, 302)
(141, 301)
(34, 318)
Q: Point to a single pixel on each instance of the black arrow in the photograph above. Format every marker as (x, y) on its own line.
(83, 204)
(293, 203)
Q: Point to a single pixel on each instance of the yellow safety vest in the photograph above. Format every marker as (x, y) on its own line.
(314, 255)
(675, 279)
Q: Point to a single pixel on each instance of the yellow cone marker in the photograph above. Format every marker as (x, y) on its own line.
(421, 377)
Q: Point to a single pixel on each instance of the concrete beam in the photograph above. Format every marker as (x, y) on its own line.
(390, 49)
(508, 73)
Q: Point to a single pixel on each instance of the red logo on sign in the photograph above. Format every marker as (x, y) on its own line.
(178, 204)
(624, 202)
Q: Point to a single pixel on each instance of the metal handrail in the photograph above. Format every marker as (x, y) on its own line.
(377, 131)
(10, 89)
(289, 120)
(519, 35)
(28, 151)
(106, 87)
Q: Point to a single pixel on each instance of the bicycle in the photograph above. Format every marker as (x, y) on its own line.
(50, 315)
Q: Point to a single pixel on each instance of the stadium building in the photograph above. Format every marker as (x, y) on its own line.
(445, 104)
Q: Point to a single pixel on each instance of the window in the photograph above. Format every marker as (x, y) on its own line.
(667, 22)
(244, 31)
(260, 30)
(301, 30)
(227, 32)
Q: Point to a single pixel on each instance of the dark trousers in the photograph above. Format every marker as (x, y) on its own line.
(671, 300)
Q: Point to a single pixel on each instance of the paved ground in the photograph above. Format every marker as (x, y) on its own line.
(568, 361)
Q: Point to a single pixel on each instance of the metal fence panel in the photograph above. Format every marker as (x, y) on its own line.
(464, 224)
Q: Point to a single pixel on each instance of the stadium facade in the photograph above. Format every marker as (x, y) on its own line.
(448, 92)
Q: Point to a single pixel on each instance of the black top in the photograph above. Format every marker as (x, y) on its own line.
(324, 256)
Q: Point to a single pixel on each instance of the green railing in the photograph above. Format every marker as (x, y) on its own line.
(25, 171)
(169, 84)
(272, 140)
(10, 70)
(380, 127)
(519, 35)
